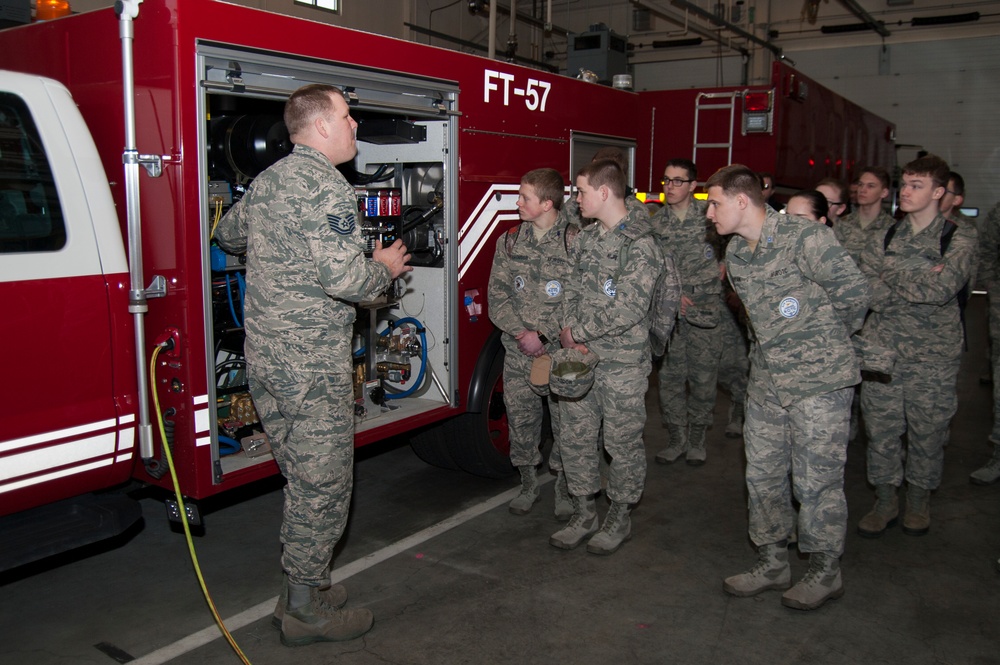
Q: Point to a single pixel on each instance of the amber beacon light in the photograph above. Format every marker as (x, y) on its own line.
(47, 10)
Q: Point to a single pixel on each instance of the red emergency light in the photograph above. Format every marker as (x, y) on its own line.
(757, 101)
(758, 111)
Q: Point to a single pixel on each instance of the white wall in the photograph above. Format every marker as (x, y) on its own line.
(943, 96)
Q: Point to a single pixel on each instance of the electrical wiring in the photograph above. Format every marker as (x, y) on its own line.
(217, 219)
(183, 512)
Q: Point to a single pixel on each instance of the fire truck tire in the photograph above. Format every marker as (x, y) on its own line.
(431, 445)
(480, 442)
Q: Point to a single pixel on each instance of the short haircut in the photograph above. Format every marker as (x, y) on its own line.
(816, 201)
(616, 155)
(738, 179)
(932, 166)
(837, 184)
(684, 164)
(605, 173)
(307, 103)
(548, 185)
(878, 172)
(958, 188)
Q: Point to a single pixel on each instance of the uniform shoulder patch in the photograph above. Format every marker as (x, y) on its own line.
(342, 225)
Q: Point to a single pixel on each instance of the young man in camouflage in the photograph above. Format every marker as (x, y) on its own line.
(305, 265)
(607, 313)
(868, 219)
(804, 297)
(856, 229)
(531, 266)
(989, 278)
(916, 271)
(689, 370)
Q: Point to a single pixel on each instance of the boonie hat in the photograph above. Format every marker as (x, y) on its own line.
(572, 372)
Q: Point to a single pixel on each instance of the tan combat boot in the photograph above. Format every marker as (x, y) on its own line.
(822, 582)
(581, 525)
(617, 528)
(882, 515)
(917, 520)
(529, 495)
(770, 572)
(696, 445)
(676, 446)
(563, 500)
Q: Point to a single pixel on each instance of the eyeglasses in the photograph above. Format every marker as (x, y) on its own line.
(833, 203)
(676, 182)
(951, 192)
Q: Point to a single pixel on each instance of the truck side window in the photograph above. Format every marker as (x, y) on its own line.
(31, 218)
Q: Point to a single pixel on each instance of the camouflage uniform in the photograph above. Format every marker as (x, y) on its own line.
(305, 265)
(854, 237)
(692, 358)
(804, 296)
(915, 316)
(988, 276)
(607, 310)
(734, 363)
(526, 292)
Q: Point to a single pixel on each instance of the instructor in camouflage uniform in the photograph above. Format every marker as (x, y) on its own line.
(305, 266)
(531, 266)
(989, 278)
(804, 297)
(607, 313)
(916, 271)
(689, 370)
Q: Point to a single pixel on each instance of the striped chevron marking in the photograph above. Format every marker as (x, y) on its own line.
(499, 204)
(74, 450)
(67, 452)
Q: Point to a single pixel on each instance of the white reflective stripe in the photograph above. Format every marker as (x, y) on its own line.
(54, 475)
(122, 458)
(201, 420)
(126, 419)
(35, 439)
(71, 452)
(203, 441)
(200, 399)
(488, 213)
(126, 439)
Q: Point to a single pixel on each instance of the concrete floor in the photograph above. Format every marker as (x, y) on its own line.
(491, 590)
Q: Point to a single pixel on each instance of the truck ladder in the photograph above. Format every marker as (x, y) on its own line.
(714, 101)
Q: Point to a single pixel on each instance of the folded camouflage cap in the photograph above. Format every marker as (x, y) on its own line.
(572, 372)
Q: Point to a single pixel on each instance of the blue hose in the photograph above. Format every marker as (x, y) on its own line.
(229, 296)
(423, 356)
(228, 446)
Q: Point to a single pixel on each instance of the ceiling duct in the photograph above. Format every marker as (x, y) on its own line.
(839, 29)
(951, 19)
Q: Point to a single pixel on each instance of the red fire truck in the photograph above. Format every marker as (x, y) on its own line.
(794, 128)
(107, 254)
